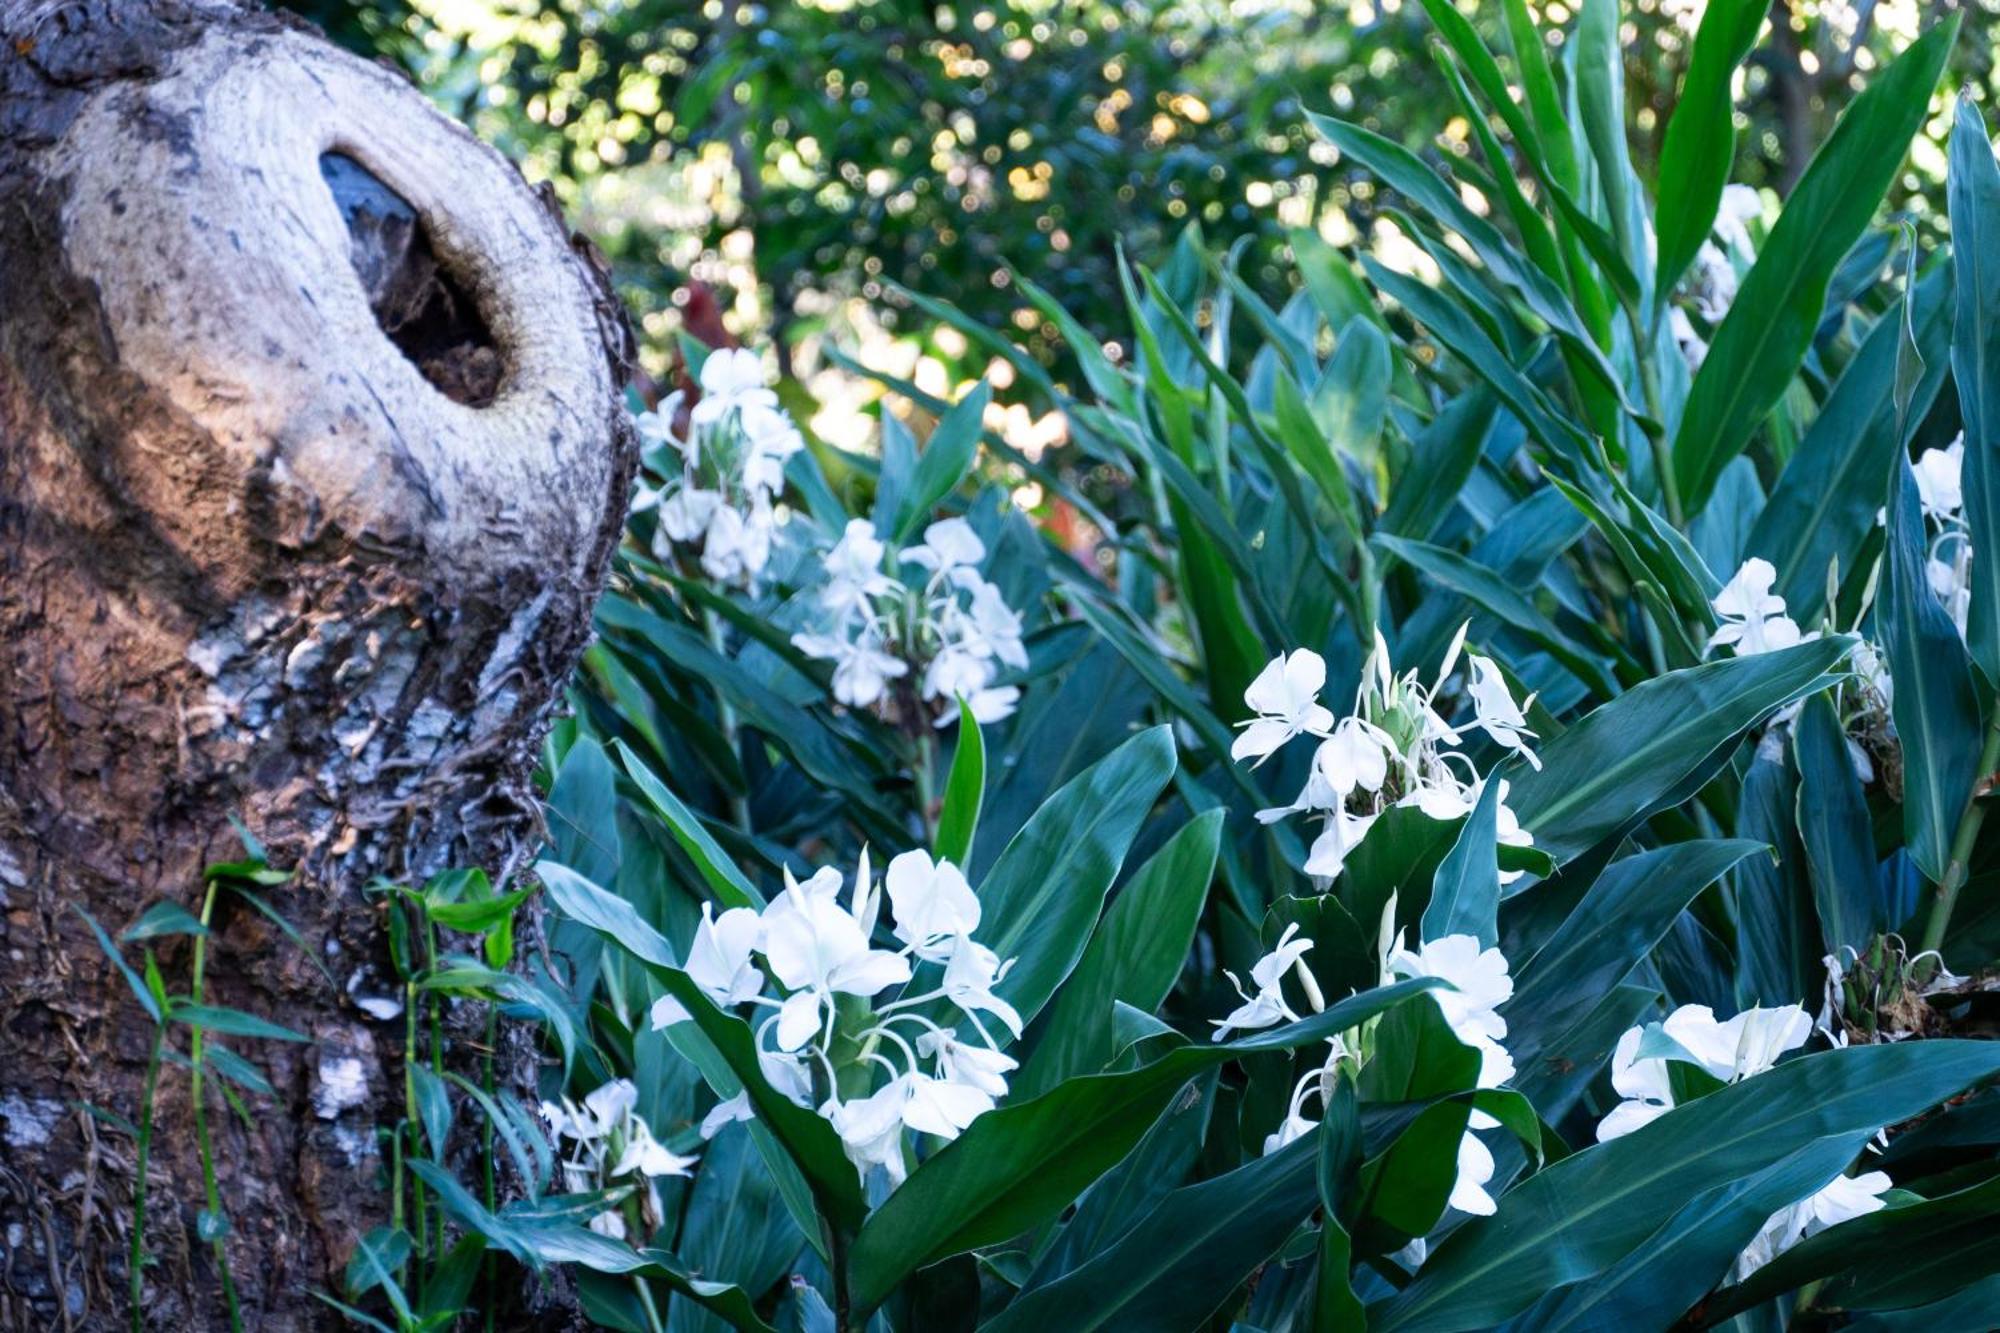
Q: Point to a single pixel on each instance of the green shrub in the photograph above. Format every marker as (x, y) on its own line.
(1493, 844)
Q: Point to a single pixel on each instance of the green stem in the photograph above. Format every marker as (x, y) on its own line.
(1959, 867)
(1670, 488)
(211, 1190)
(436, 1021)
(653, 1321)
(1656, 436)
(739, 803)
(1156, 489)
(847, 1079)
(412, 1122)
(843, 1301)
(926, 766)
(396, 1175)
(489, 1273)
(145, 1152)
(1371, 592)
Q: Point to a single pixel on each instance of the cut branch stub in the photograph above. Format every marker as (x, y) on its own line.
(312, 456)
(282, 335)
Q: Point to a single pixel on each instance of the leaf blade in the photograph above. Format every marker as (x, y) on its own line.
(1771, 323)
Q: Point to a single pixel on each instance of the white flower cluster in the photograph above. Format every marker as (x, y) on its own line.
(816, 1043)
(1713, 281)
(1940, 491)
(1392, 749)
(1731, 1051)
(732, 463)
(610, 1144)
(1839, 1200)
(1754, 620)
(946, 626)
(1752, 617)
(1481, 984)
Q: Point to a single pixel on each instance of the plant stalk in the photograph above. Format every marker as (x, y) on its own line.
(1958, 869)
(843, 1300)
(144, 1156)
(653, 1321)
(210, 1189)
(739, 803)
(1371, 591)
(435, 1018)
(1656, 437)
(488, 1271)
(413, 1123)
(926, 773)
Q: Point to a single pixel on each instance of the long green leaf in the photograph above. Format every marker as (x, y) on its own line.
(1934, 707)
(1622, 916)
(1598, 62)
(1024, 1163)
(964, 792)
(1217, 571)
(163, 918)
(1465, 892)
(1778, 948)
(1550, 156)
(946, 458)
(1968, 1310)
(1823, 508)
(1134, 957)
(1269, 450)
(1834, 830)
(132, 979)
(1687, 1255)
(1771, 323)
(1495, 595)
(1974, 194)
(1042, 897)
(1185, 1258)
(235, 1022)
(1569, 1062)
(1462, 336)
(1112, 621)
(724, 880)
(831, 758)
(539, 1240)
(1316, 451)
(1211, 551)
(1575, 1219)
(1404, 172)
(1443, 456)
(1544, 99)
(1330, 280)
(1620, 762)
(1892, 1259)
(1335, 1306)
(1700, 146)
(1133, 1188)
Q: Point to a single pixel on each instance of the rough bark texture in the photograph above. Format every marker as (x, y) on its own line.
(312, 455)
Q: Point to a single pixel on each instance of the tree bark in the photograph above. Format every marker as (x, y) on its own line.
(312, 456)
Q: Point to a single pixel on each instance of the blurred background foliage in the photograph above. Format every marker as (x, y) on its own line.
(792, 170)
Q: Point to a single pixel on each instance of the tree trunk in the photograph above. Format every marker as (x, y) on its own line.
(312, 455)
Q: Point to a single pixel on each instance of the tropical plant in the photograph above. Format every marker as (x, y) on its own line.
(1497, 841)
(791, 155)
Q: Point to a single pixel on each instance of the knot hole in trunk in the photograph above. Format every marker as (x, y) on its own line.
(423, 308)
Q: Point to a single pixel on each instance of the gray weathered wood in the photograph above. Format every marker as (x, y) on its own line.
(304, 502)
